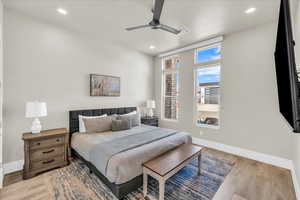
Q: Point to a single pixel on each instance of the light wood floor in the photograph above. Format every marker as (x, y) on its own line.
(248, 180)
(252, 180)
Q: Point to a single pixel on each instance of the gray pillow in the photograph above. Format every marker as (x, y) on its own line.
(97, 125)
(120, 125)
(134, 118)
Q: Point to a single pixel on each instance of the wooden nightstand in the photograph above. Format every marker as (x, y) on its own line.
(45, 151)
(150, 121)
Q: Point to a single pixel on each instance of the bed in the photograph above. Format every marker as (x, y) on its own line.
(117, 157)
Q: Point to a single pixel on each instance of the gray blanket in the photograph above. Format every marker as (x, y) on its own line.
(101, 154)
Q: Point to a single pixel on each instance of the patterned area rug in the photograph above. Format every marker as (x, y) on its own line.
(75, 182)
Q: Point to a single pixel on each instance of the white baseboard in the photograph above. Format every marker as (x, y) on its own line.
(13, 166)
(295, 182)
(265, 158)
(9, 168)
(273, 160)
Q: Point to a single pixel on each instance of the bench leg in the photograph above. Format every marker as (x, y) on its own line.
(145, 184)
(161, 189)
(199, 164)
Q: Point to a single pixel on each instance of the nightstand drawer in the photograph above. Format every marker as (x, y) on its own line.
(46, 152)
(47, 142)
(48, 163)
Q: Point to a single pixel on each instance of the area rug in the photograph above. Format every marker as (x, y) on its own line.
(75, 182)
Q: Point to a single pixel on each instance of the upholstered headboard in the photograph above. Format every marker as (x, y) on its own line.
(73, 115)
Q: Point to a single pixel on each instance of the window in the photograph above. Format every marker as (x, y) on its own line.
(170, 87)
(208, 55)
(207, 86)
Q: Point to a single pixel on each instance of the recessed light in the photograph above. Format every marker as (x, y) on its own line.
(152, 47)
(62, 11)
(250, 10)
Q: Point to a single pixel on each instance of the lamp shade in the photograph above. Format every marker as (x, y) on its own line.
(150, 104)
(36, 109)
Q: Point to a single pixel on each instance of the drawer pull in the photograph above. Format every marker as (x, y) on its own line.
(57, 140)
(38, 143)
(48, 151)
(47, 162)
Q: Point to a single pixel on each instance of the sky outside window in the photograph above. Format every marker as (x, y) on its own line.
(208, 75)
(208, 55)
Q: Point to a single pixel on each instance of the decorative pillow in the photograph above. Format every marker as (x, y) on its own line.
(96, 125)
(120, 125)
(134, 118)
(81, 122)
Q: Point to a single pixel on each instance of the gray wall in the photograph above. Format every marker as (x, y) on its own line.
(250, 118)
(47, 63)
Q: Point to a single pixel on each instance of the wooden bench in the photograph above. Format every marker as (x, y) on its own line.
(166, 165)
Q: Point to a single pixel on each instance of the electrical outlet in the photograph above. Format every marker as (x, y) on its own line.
(201, 133)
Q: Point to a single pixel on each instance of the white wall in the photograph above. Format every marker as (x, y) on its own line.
(250, 117)
(296, 140)
(48, 63)
(1, 90)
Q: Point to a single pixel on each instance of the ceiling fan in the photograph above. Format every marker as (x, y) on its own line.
(155, 23)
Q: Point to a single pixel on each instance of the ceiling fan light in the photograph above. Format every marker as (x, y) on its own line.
(152, 47)
(62, 11)
(250, 10)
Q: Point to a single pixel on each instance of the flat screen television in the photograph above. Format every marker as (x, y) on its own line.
(286, 72)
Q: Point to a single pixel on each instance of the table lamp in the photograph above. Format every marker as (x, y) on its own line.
(35, 110)
(150, 106)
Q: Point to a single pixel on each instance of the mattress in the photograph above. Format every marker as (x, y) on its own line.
(126, 165)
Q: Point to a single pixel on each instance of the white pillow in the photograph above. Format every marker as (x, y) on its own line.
(131, 113)
(82, 128)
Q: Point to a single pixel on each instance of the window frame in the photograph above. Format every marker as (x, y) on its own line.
(208, 64)
(164, 72)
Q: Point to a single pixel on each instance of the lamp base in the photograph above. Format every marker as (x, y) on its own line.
(150, 112)
(36, 126)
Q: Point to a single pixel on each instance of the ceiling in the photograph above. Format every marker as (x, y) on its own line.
(102, 19)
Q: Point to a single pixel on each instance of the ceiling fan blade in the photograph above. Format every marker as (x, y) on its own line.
(158, 6)
(169, 29)
(137, 27)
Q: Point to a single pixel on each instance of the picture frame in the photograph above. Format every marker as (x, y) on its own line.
(105, 85)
